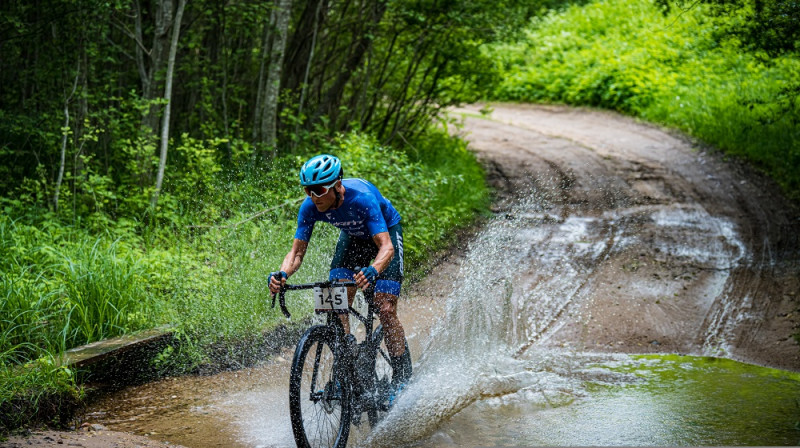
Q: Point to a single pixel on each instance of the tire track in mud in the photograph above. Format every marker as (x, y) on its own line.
(705, 258)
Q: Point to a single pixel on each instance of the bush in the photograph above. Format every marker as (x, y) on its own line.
(683, 69)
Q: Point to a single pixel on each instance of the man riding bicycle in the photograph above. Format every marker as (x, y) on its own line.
(370, 235)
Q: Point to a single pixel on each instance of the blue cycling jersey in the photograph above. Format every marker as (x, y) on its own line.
(364, 212)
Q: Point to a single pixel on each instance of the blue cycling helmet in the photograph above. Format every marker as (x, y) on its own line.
(323, 169)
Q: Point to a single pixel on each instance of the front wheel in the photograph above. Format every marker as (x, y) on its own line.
(319, 394)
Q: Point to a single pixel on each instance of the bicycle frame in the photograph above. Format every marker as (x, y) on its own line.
(360, 364)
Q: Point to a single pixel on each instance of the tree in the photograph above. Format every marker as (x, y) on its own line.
(258, 74)
(769, 25)
(64, 138)
(269, 116)
(173, 50)
(368, 22)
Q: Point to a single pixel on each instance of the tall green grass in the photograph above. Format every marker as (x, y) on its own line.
(681, 70)
(62, 287)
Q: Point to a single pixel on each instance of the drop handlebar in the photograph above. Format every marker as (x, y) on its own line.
(287, 287)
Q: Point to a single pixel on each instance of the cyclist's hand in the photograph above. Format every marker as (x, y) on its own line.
(366, 277)
(276, 281)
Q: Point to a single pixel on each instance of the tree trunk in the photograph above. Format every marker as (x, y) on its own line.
(224, 55)
(141, 63)
(333, 95)
(64, 137)
(382, 77)
(158, 54)
(262, 77)
(304, 85)
(173, 50)
(303, 42)
(149, 64)
(415, 61)
(269, 118)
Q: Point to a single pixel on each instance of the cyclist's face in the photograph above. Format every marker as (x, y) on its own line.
(325, 201)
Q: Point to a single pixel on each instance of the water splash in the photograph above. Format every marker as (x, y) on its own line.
(519, 284)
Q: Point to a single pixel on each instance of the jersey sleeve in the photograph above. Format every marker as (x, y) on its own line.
(375, 221)
(305, 221)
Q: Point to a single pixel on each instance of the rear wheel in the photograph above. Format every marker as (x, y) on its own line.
(319, 393)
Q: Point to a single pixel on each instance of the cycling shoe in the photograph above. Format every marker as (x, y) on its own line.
(397, 389)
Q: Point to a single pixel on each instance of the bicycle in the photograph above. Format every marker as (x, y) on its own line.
(334, 378)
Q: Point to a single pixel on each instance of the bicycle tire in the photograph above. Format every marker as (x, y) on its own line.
(319, 392)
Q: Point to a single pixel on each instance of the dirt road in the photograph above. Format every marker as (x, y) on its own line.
(668, 247)
(701, 255)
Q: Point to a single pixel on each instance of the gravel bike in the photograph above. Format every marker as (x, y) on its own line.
(335, 379)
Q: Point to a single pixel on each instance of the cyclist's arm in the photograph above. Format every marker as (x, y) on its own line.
(377, 227)
(385, 254)
(385, 251)
(293, 260)
(291, 263)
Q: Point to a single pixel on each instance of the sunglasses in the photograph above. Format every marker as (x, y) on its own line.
(319, 190)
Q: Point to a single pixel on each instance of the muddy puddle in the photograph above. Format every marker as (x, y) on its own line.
(634, 401)
(598, 307)
(557, 399)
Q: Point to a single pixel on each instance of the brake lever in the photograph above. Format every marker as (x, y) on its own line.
(283, 304)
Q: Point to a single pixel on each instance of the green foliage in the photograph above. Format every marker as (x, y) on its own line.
(62, 287)
(769, 25)
(427, 55)
(41, 390)
(74, 69)
(84, 255)
(680, 70)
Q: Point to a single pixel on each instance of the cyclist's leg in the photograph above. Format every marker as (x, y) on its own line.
(349, 254)
(386, 304)
(387, 292)
(394, 335)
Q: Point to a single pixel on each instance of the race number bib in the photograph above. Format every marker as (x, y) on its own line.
(330, 299)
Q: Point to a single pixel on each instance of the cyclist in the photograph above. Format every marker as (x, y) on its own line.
(370, 232)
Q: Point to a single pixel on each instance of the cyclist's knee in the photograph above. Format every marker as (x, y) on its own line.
(388, 311)
(387, 305)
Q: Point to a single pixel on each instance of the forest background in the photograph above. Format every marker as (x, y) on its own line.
(149, 148)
